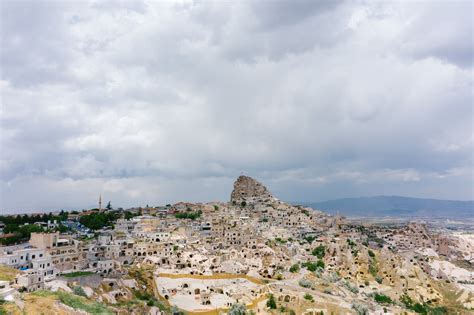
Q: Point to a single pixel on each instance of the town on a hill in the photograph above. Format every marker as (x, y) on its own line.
(254, 254)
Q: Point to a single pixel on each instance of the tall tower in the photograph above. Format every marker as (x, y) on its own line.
(100, 202)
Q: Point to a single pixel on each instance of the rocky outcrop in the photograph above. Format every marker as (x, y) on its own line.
(248, 189)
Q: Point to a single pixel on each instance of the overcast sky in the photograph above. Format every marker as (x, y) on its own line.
(157, 102)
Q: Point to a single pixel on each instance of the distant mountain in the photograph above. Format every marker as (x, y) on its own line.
(396, 206)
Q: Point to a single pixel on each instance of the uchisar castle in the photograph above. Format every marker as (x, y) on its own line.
(252, 255)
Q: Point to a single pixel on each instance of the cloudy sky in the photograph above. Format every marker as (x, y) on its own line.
(156, 102)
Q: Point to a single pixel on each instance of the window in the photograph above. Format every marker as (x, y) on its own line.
(33, 256)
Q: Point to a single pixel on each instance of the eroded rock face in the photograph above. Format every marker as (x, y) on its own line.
(248, 189)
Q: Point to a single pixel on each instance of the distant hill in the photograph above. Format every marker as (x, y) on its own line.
(396, 206)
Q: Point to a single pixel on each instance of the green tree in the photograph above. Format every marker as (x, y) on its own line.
(271, 303)
(63, 215)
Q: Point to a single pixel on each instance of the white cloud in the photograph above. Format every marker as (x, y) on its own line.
(320, 100)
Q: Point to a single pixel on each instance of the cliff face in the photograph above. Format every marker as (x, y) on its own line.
(248, 189)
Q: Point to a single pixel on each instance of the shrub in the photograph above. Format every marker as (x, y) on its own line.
(379, 279)
(238, 309)
(360, 308)
(373, 268)
(371, 253)
(188, 215)
(280, 240)
(311, 266)
(305, 283)
(333, 277)
(421, 308)
(320, 264)
(319, 251)
(383, 299)
(350, 287)
(308, 297)
(295, 268)
(271, 303)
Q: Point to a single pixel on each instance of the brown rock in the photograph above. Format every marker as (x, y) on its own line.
(248, 189)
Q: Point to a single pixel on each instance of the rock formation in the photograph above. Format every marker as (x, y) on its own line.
(248, 189)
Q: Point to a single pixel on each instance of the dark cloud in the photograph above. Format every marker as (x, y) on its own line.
(278, 14)
(153, 102)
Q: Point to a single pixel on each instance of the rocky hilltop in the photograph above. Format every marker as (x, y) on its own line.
(248, 189)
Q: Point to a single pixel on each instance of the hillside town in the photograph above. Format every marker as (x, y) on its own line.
(252, 255)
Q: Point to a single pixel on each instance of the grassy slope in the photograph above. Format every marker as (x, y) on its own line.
(7, 273)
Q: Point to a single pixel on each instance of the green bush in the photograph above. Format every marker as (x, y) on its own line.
(271, 303)
(383, 299)
(311, 266)
(320, 264)
(308, 297)
(295, 268)
(319, 251)
(422, 308)
(188, 215)
(350, 242)
(305, 283)
(280, 240)
(373, 269)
